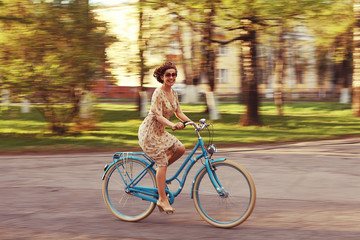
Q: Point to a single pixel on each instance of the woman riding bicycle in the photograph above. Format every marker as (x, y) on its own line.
(163, 147)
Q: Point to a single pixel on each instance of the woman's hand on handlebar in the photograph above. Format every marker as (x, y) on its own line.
(178, 126)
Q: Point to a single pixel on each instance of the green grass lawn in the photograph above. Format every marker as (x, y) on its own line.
(118, 125)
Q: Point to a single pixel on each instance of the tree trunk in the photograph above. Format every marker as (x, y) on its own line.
(251, 116)
(356, 60)
(242, 95)
(75, 97)
(210, 53)
(141, 43)
(279, 73)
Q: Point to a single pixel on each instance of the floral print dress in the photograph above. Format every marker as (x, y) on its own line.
(154, 140)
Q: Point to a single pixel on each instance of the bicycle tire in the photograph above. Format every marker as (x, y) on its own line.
(222, 211)
(124, 205)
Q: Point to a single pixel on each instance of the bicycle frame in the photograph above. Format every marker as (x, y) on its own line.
(151, 194)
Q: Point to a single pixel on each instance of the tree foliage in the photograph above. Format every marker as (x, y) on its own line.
(51, 52)
(146, 37)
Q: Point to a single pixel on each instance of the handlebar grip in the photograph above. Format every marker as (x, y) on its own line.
(192, 124)
(196, 126)
(189, 123)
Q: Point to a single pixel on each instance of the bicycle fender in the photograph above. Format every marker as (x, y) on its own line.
(107, 167)
(213, 161)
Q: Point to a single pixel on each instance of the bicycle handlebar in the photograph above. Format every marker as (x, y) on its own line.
(199, 127)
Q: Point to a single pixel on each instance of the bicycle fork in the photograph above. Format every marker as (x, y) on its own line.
(214, 179)
(211, 170)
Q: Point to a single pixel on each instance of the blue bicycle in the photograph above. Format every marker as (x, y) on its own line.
(223, 191)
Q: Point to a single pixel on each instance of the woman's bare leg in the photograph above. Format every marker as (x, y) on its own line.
(161, 180)
(163, 202)
(177, 154)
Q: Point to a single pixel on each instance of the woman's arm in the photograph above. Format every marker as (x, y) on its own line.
(178, 112)
(164, 121)
(181, 116)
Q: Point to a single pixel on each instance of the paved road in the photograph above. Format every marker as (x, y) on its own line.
(305, 191)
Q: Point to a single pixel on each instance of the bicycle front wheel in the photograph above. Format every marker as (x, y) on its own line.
(237, 201)
(122, 203)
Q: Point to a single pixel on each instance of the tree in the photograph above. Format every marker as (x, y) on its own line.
(52, 56)
(216, 16)
(161, 23)
(356, 57)
(209, 53)
(242, 19)
(145, 39)
(199, 17)
(332, 29)
(142, 48)
(251, 98)
(259, 18)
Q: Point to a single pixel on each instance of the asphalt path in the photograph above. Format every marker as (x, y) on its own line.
(308, 190)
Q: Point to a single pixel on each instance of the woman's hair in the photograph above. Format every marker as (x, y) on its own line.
(160, 71)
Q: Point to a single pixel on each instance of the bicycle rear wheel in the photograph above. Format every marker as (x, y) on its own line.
(233, 207)
(121, 203)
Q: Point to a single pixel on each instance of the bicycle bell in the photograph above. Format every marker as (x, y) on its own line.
(212, 149)
(202, 121)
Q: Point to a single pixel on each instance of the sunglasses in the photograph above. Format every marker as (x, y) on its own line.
(170, 74)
